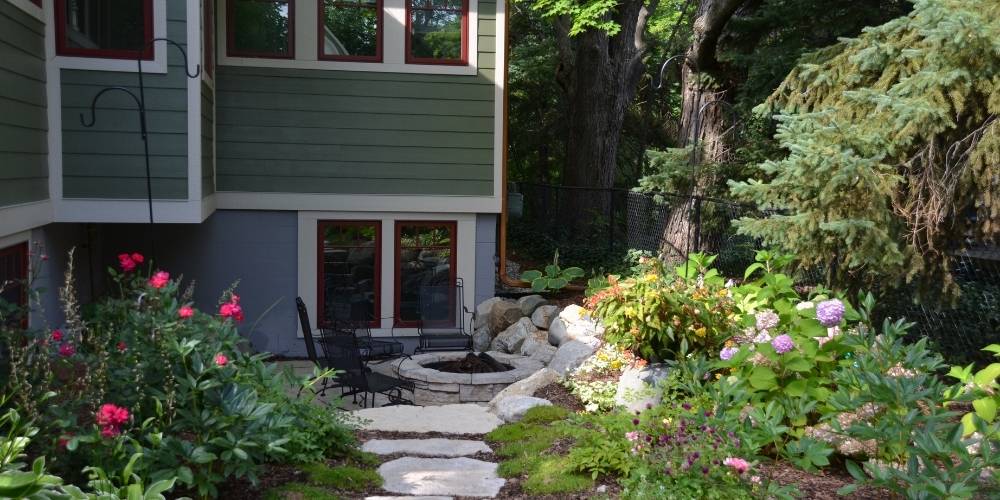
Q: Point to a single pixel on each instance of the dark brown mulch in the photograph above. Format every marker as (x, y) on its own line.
(272, 476)
(822, 484)
(560, 396)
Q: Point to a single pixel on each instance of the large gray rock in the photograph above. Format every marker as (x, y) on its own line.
(509, 341)
(432, 447)
(484, 311)
(573, 322)
(481, 339)
(536, 340)
(639, 387)
(545, 353)
(513, 408)
(529, 303)
(461, 477)
(526, 387)
(570, 355)
(503, 314)
(447, 419)
(543, 316)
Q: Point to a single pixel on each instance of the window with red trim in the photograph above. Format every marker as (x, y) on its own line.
(113, 29)
(350, 30)
(208, 30)
(261, 28)
(425, 257)
(37, 2)
(349, 271)
(437, 31)
(13, 285)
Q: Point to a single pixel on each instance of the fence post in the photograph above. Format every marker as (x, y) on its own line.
(611, 220)
(697, 223)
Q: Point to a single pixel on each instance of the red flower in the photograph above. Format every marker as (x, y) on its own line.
(221, 360)
(185, 312)
(66, 350)
(126, 262)
(159, 279)
(110, 418)
(64, 440)
(122, 346)
(137, 258)
(232, 308)
(109, 431)
(57, 335)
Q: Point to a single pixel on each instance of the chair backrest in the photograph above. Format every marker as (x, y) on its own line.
(441, 307)
(306, 330)
(343, 354)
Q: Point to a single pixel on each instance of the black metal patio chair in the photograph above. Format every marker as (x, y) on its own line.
(441, 325)
(307, 336)
(342, 353)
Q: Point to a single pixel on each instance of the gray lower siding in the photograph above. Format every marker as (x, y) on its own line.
(486, 252)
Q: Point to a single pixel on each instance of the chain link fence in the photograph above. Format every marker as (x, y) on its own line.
(606, 223)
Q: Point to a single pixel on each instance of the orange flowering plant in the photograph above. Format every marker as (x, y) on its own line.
(662, 313)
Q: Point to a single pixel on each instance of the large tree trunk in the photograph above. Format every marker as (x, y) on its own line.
(704, 122)
(600, 74)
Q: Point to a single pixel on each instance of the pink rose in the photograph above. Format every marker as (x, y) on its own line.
(231, 310)
(185, 312)
(159, 279)
(126, 262)
(137, 258)
(66, 350)
(221, 360)
(737, 464)
(57, 335)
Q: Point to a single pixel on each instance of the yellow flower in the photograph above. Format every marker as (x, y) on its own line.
(700, 331)
(649, 278)
(718, 376)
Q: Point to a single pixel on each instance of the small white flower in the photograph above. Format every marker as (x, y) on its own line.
(762, 337)
(730, 283)
(804, 305)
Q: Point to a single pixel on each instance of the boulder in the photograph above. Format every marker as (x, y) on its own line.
(526, 387)
(513, 408)
(481, 339)
(503, 314)
(543, 316)
(460, 477)
(529, 303)
(562, 331)
(484, 311)
(509, 341)
(637, 387)
(544, 353)
(569, 356)
(535, 341)
(557, 332)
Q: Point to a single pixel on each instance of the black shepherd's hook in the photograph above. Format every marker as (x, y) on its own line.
(93, 109)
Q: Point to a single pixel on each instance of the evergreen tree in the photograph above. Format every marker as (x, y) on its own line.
(893, 148)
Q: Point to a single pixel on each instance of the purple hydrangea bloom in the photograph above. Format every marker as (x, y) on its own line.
(782, 344)
(767, 319)
(727, 353)
(830, 312)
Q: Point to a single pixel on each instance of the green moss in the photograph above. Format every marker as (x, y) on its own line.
(529, 447)
(299, 491)
(551, 476)
(511, 432)
(545, 414)
(363, 458)
(343, 477)
(518, 466)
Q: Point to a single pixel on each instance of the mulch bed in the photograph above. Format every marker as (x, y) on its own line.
(276, 475)
(822, 484)
(560, 396)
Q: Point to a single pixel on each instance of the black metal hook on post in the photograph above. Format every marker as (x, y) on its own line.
(140, 102)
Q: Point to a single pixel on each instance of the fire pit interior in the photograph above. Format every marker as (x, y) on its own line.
(471, 363)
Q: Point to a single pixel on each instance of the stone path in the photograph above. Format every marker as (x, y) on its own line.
(434, 467)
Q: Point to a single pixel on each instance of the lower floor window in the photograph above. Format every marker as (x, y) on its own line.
(13, 285)
(349, 272)
(425, 261)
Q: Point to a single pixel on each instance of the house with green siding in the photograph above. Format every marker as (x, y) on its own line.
(348, 152)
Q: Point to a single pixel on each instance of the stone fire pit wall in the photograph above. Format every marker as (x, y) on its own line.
(435, 387)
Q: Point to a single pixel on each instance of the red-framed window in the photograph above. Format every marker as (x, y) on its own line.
(349, 267)
(208, 31)
(13, 284)
(350, 30)
(437, 32)
(425, 256)
(111, 29)
(37, 2)
(260, 28)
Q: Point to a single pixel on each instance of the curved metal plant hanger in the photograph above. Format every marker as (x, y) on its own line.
(140, 104)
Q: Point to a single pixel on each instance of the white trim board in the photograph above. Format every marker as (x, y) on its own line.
(20, 218)
(393, 43)
(234, 200)
(465, 249)
(132, 211)
(29, 8)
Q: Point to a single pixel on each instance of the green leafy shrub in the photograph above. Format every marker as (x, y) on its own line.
(982, 388)
(596, 380)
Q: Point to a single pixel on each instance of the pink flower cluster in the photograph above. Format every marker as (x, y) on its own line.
(221, 360)
(129, 262)
(159, 279)
(232, 308)
(737, 464)
(185, 312)
(110, 418)
(66, 349)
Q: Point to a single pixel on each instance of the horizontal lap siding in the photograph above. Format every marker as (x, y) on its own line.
(23, 122)
(207, 140)
(354, 132)
(106, 160)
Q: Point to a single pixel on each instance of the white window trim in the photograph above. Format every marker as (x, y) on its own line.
(465, 249)
(160, 50)
(30, 8)
(24, 217)
(393, 43)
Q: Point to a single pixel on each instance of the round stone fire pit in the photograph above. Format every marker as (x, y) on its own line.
(435, 387)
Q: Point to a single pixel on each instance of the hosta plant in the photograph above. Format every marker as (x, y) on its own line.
(553, 278)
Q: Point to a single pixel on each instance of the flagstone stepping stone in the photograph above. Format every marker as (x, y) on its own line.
(411, 498)
(446, 419)
(433, 447)
(464, 477)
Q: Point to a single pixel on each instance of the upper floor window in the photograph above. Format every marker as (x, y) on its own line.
(437, 31)
(261, 28)
(104, 28)
(350, 30)
(208, 30)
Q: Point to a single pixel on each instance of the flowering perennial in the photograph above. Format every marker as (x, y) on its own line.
(767, 319)
(159, 279)
(128, 262)
(185, 312)
(830, 312)
(232, 308)
(737, 464)
(782, 344)
(727, 353)
(221, 359)
(110, 419)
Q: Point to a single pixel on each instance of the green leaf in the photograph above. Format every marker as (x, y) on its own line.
(539, 284)
(552, 270)
(811, 327)
(987, 375)
(986, 408)
(762, 378)
(798, 364)
(751, 268)
(855, 471)
(531, 275)
(573, 272)
(968, 423)
(557, 283)
(796, 388)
